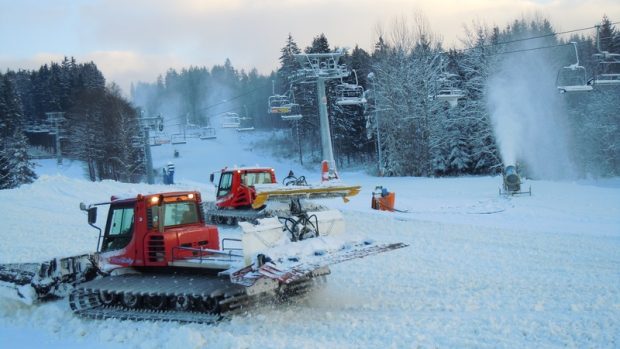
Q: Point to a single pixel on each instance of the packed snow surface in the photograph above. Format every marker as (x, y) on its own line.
(481, 271)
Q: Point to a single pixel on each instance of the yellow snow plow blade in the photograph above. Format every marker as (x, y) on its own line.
(319, 192)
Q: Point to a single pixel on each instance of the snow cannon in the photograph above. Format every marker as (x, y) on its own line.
(512, 182)
(382, 199)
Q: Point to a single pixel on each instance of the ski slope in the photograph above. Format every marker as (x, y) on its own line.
(481, 271)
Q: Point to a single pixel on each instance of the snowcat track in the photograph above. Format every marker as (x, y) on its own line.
(230, 298)
(90, 307)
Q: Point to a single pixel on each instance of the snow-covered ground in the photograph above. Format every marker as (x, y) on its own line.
(481, 271)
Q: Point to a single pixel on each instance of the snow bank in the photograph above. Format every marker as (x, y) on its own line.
(481, 271)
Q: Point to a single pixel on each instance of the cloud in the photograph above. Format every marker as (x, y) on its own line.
(29, 63)
(140, 39)
(125, 67)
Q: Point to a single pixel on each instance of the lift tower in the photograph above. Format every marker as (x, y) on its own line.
(320, 67)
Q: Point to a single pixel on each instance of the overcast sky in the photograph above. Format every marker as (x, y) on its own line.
(133, 40)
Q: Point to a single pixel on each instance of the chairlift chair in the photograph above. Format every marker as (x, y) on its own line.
(160, 141)
(350, 94)
(231, 120)
(573, 78)
(608, 67)
(293, 114)
(445, 90)
(279, 104)
(178, 138)
(608, 73)
(207, 133)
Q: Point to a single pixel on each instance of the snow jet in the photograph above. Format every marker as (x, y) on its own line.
(527, 113)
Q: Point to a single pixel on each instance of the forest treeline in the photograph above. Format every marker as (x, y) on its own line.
(419, 135)
(92, 121)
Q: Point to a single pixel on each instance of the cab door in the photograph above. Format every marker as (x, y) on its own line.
(119, 228)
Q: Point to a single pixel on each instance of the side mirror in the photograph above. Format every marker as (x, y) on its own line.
(83, 206)
(212, 177)
(92, 215)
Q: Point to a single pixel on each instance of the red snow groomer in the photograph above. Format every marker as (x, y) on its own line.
(156, 259)
(250, 193)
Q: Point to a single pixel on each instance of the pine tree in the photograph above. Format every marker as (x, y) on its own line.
(15, 166)
(288, 63)
(607, 35)
(319, 45)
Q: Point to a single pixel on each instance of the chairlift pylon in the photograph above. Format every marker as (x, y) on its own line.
(320, 65)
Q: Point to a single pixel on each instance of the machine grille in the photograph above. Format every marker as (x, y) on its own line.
(156, 249)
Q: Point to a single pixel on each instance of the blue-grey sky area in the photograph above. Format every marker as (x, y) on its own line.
(137, 40)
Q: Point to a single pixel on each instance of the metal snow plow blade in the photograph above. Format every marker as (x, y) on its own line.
(291, 269)
(39, 281)
(267, 192)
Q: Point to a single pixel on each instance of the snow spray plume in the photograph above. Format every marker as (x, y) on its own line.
(182, 107)
(528, 113)
(153, 103)
(216, 101)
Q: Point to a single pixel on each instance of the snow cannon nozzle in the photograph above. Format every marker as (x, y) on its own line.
(511, 176)
(512, 181)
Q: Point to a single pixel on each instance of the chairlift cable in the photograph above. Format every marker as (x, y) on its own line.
(530, 49)
(533, 37)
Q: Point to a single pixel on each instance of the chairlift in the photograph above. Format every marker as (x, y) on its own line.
(279, 104)
(157, 140)
(137, 142)
(607, 71)
(37, 127)
(573, 78)
(445, 89)
(293, 114)
(350, 94)
(607, 74)
(178, 138)
(207, 133)
(231, 120)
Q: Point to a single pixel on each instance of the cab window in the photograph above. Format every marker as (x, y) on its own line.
(225, 184)
(120, 228)
(253, 178)
(176, 213)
